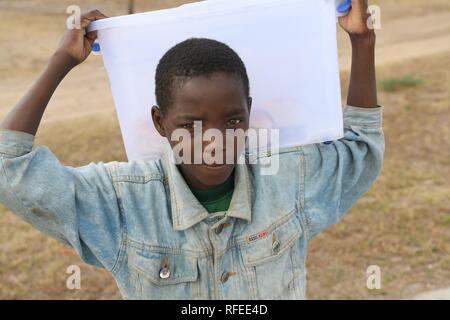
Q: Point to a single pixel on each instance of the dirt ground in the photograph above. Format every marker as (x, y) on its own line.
(402, 224)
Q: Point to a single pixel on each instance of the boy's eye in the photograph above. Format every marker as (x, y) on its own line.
(234, 122)
(188, 126)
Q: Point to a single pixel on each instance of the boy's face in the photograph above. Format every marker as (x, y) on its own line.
(218, 101)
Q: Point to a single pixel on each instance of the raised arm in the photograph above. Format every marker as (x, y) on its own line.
(339, 173)
(363, 86)
(76, 206)
(74, 48)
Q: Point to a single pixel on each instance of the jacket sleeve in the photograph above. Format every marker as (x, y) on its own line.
(76, 206)
(338, 173)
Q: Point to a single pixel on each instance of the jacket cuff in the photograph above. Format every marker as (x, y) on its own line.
(15, 143)
(369, 118)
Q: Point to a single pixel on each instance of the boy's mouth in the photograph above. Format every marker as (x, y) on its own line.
(215, 166)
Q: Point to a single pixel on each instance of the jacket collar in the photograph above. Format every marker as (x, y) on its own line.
(188, 211)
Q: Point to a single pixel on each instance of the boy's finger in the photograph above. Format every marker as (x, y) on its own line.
(91, 36)
(93, 15)
(360, 5)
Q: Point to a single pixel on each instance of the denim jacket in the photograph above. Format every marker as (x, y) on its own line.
(140, 221)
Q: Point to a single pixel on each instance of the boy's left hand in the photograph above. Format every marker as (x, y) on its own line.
(355, 22)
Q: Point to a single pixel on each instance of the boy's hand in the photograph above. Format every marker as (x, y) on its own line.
(355, 22)
(75, 46)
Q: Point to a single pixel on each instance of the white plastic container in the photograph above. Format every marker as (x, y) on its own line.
(289, 48)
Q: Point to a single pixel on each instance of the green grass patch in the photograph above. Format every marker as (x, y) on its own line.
(394, 84)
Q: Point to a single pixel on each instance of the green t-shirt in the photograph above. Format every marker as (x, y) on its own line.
(218, 198)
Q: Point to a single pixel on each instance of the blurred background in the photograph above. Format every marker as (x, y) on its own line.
(401, 225)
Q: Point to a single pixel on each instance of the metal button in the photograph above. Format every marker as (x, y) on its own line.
(164, 273)
(276, 246)
(219, 229)
(225, 277)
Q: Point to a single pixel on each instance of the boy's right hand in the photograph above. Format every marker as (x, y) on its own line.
(75, 46)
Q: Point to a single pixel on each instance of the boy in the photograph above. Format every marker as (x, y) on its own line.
(195, 231)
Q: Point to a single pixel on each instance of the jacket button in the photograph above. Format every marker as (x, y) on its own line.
(276, 246)
(224, 277)
(219, 229)
(164, 273)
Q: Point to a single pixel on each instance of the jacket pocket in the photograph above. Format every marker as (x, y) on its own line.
(271, 257)
(164, 275)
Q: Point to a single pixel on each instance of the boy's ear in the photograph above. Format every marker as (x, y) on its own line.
(157, 118)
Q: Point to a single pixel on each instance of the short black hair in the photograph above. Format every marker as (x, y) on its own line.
(195, 57)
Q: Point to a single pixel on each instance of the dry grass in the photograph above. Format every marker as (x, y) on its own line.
(402, 224)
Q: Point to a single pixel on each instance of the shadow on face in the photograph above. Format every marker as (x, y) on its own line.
(205, 104)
